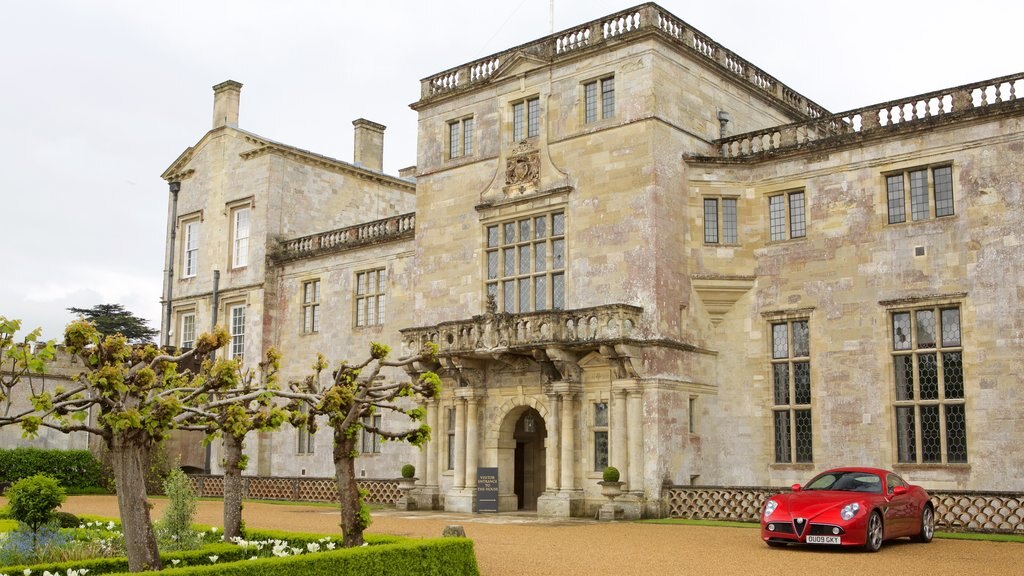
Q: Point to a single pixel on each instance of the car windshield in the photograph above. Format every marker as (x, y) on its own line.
(847, 482)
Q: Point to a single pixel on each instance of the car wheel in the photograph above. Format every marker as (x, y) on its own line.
(927, 525)
(873, 538)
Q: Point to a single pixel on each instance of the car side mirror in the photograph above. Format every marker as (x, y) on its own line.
(899, 490)
(796, 487)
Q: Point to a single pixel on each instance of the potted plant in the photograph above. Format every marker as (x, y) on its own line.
(610, 485)
(408, 478)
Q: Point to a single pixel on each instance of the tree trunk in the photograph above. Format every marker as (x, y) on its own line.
(129, 457)
(352, 522)
(232, 487)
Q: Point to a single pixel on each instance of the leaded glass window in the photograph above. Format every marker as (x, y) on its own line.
(791, 391)
(525, 263)
(928, 374)
(930, 191)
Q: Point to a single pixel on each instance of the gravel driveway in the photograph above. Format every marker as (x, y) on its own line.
(518, 544)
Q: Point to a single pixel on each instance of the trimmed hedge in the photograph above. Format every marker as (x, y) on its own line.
(226, 552)
(434, 557)
(74, 469)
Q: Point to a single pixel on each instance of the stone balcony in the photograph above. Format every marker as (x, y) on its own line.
(399, 227)
(554, 339)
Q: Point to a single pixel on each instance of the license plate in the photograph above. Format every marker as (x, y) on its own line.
(824, 540)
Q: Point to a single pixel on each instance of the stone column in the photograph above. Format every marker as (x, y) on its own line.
(634, 414)
(567, 441)
(619, 426)
(551, 464)
(459, 481)
(472, 442)
(430, 473)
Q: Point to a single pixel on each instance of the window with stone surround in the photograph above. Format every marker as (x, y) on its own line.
(370, 297)
(450, 415)
(720, 226)
(236, 317)
(525, 263)
(920, 186)
(460, 138)
(371, 440)
(600, 431)
(599, 100)
(240, 236)
(525, 119)
(787, 216)
(928, 372)
(187, 334)
(791, 391)
(190, 247)
(311, 307)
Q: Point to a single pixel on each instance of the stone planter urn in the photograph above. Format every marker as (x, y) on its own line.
(611, 490)
(406, 484)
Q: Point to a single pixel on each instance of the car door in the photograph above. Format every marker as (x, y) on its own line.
(901, 514)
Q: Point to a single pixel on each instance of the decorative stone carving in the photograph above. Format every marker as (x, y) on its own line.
(522, 166)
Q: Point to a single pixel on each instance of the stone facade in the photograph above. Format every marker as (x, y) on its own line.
(635, 248)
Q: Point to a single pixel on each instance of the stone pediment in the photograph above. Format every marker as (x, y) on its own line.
(516, 65)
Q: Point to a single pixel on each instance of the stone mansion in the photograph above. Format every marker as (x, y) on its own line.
(633, 248)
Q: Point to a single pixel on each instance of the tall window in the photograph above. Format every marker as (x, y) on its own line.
(599, 99)
(451, 438)
(240, 237)
(526, 263)
(311, 307)
(460, 138)
(237, 317)
(787, 216)
(370, 300)
(191, 252)
(305, 436)
(791, 385)
(921, 191)
(931, 425)
(724, 221)
(371, 439)
(187, 337)
(600, 436)
(525, 119)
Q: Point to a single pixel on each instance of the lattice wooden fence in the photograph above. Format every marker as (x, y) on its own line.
(956, 511)
(302, 489)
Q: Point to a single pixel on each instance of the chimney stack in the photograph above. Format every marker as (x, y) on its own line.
(369, 144)
(225, 103)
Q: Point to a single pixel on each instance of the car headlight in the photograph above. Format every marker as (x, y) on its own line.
(770, 507)
(849, 511)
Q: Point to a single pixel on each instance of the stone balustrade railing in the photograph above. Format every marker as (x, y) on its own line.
(905, 111)
(646, 18)
(384, 230)
(581, 327)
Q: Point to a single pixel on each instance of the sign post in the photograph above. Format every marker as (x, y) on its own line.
(486, 490)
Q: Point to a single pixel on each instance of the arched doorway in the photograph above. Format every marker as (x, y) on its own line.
(529, 458)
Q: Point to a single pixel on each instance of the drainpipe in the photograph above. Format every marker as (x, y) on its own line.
(172, 226)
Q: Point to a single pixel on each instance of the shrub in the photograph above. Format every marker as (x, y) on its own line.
(610, 474)
(174, 530)
(66, 519)
(408, 471)
(34, 499)
(74, 469)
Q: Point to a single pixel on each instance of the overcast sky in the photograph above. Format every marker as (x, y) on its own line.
(99, 97)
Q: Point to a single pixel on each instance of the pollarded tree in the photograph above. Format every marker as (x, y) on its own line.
(245, 402)
(354, 392)
(137, 395)
(20, 361)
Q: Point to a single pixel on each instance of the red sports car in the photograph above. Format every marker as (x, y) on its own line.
(849, 507)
